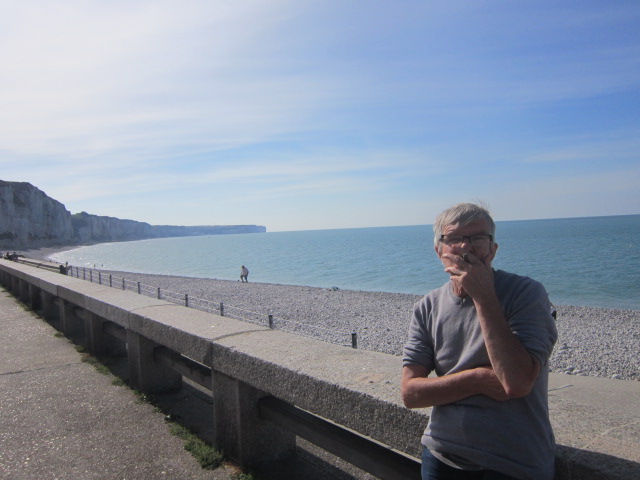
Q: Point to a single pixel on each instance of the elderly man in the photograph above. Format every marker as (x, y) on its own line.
(488, 336)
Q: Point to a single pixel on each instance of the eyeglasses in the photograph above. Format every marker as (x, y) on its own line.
(481, 240)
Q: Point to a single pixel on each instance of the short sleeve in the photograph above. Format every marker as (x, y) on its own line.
(419, 347)
(530, 316)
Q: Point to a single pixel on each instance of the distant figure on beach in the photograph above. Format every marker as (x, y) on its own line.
(244, 274)
(488, 335)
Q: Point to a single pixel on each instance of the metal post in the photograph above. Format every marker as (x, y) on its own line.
(354, 340)
(84, 273)
(100, 278)
(123, 283)
(221, 309)
(158, 293)
(110, 281)
(138, 288)
(186, 299)
(91, 275)
(270, 321)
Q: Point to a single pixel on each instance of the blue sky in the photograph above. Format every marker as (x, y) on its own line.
(322, 114)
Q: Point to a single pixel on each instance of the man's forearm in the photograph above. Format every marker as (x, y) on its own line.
(422, 391)
(514, 366)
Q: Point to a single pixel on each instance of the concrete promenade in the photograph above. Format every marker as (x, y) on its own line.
(61, 419)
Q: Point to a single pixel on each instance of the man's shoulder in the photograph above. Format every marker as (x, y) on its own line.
(509, 277)
(512, 283)
(438, 292)
(435, 295)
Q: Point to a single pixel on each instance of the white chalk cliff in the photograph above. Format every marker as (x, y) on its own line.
(31, 219)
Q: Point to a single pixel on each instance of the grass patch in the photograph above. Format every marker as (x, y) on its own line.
(100, 368)
(58, 335)
(117, 381)
(243, 476)
(207, 456)
(143, 397)
(103, 365)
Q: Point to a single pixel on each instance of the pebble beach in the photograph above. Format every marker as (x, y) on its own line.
(591, 341)
(599, 342)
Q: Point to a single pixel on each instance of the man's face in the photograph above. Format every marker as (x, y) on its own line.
(485, 253)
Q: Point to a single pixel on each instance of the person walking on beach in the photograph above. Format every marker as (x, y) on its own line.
(244, 274)
(488, 335)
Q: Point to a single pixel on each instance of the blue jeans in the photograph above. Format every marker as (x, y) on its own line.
(434, 469)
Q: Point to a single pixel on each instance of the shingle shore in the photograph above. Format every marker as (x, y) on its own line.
(591, 341)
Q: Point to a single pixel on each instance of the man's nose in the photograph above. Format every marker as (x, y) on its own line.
(466, 243)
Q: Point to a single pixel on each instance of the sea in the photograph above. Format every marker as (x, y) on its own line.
(590, 261)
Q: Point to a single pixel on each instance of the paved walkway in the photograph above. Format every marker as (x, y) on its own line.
(61, 419)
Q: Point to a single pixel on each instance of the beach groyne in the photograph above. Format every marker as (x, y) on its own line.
(269, 387)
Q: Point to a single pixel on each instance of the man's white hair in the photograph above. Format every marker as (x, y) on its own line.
(464, 214)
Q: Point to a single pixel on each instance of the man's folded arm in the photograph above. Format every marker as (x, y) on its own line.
(420, 391)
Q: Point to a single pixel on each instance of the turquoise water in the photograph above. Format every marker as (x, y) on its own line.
(591, 261)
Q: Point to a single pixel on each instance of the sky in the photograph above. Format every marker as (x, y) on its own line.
(322, 114)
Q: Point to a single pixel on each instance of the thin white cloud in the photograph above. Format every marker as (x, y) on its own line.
(569, 195)
(145, 107)
(135, 74)
(622, 145)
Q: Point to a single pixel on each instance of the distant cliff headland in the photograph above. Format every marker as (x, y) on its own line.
(31, 219)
